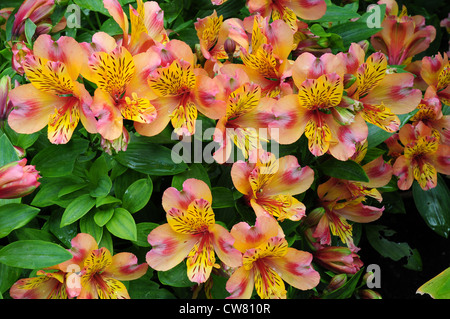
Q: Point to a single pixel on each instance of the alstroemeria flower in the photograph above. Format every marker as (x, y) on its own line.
(287, 10)
(266, 60)
(338, 205)
(423, 157)
(122, 91)
(269, 184)
(147, 24)
(92, 273)
(191, 231)
(402, 37)
(430, 113)
(18, 179)
(181, 91)
(239, 125)
(47, 285)
(54, 97)
(212, 33)
(338, 259)
(375, 94)
(268, 261)
(436, 73)
(100, 274)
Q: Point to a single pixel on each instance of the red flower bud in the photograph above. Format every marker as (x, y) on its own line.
(18, 179)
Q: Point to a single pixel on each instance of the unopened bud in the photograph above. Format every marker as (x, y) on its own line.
(336, 282)
(343, 116)
(229, 46)
(368, 294)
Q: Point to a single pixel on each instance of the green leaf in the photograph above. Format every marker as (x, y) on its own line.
(437, 287)
(376, 234)
(59, 160)
(348, 170)
(137, 195)
(14, 216)
(8, 153)
(102, 188)
(195, 170)
(50, 188)
(33, 254)
(122, 224)
(102, 216)
(176, 277)
(64, 234)
(30, 29)
(89, 226)
(222, 197)
(335, 13)
(152, 159)
(77, 209)
(434, 206)
(93, 5)
(353, 32)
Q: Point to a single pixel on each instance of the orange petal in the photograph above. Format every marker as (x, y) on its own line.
(169, 248)
(32, 108)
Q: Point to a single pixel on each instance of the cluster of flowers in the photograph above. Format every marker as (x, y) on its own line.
(151, 80)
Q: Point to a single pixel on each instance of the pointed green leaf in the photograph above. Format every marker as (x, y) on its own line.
(33, 254)
(77, 209)
(122, 224)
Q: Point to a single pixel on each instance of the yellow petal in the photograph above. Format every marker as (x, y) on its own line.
(318, 137)
(201, 260)
(173, 80)
(62, 123)
(183, 119)
(196, 219)
(371, 73)
(323, 92)
(112, 72)
(138, 109)
(48, 76)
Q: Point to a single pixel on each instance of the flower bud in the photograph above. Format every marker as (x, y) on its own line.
(20, 51)
(35, 10)
(18, 179)
(338, 259)
(119, 144)
(229, 46)
(336, 282)
(5, 104)
(343, 115)
(368, 294)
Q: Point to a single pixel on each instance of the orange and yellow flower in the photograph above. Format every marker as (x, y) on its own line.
(191, 231)
(269, 184)
(435, 72)
(288, 11)
(342, 201)
(122, 91)
(268, 261)
(147, 24)
(265, 58)
(54, 97)
(402, 36)
(379, 95)
(92, 273)
(423, 157)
